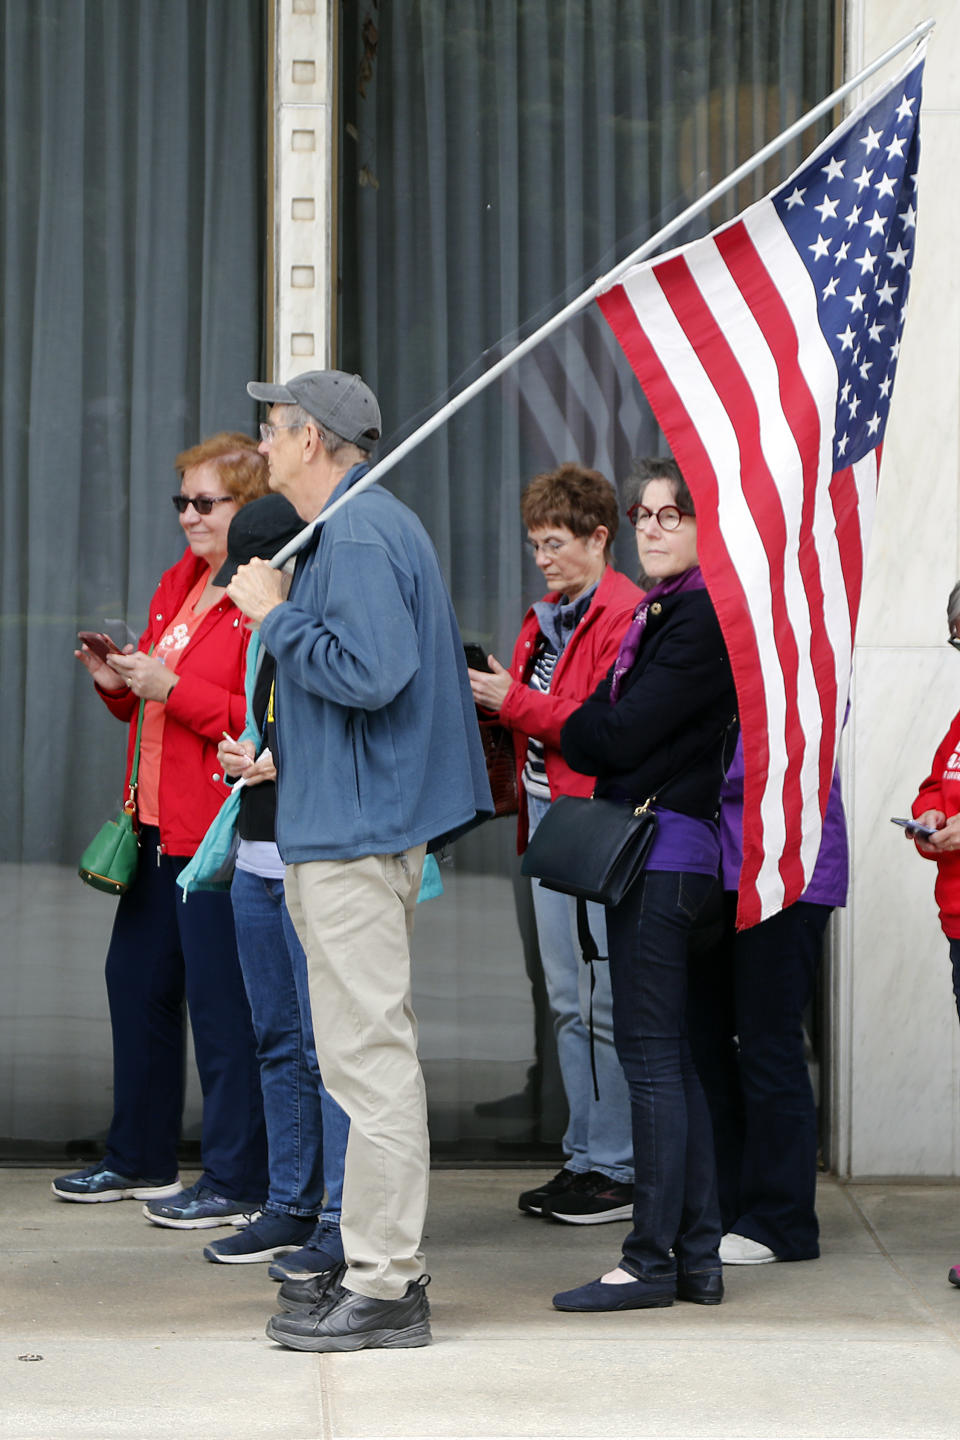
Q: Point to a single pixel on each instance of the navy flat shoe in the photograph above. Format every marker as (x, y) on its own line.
(632, 1295)
(700, 1289)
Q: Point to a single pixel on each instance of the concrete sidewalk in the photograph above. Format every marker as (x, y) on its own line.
(140, 1338)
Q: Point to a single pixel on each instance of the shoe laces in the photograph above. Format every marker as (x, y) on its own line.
(562, 1177)
(329, 1290)
(591, 1182)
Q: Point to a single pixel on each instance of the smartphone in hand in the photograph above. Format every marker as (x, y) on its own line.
(98, 643)
(476, 659)
(914, 829)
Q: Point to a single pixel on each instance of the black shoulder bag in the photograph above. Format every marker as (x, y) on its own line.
(596, 850)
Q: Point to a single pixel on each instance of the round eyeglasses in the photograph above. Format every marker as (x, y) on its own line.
(203, 504)
(668, 517)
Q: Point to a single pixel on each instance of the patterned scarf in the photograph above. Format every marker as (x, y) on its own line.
(630, 644)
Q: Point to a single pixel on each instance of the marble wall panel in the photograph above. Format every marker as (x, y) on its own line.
(895, 1025)
(904, 1036)
(913, 560)
(887, 21)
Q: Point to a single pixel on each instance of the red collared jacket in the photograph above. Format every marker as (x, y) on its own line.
(941, 791)
(589, 653)
(207, 699)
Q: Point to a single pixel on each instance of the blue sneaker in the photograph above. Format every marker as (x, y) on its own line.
(200, 1208)
(322, 1252)
(272, 1235)
(98, 1182)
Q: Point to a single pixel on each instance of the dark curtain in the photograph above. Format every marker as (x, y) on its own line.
(497, 157)
(131, 236)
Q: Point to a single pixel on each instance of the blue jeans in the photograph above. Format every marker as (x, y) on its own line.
(306, 1129)
(755, 986)
(675, 1186)
(163, 951)
(598, 1135)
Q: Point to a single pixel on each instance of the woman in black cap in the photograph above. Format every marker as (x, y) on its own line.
(306, 1129)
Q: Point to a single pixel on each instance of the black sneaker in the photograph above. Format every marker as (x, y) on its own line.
(533, 1201)
(592, 1199)
(356, 1322)
(315, 1290)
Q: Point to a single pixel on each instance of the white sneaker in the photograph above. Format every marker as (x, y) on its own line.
(740, 1250)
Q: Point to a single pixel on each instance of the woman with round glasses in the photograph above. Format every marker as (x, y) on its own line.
(659, 725)
(567, 642)
(188, 669)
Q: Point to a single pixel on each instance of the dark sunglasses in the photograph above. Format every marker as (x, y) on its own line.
(203, 504)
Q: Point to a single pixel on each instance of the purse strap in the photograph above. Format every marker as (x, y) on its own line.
(130, 804)
(690, 763)
(590, 953)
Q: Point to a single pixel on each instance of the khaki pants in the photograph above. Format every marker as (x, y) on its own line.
(354, 919)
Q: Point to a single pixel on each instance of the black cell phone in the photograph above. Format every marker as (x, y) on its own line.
(476, 659)
(913, 828)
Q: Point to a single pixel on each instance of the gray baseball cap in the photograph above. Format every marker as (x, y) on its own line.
(340, 401)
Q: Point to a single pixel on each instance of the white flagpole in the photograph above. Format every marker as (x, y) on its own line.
(599, 287)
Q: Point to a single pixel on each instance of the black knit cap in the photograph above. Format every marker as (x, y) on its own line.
(259, 529)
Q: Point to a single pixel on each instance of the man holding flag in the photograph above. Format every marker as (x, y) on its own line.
(378, 753)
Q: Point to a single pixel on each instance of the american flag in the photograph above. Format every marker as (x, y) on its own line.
(768, 352)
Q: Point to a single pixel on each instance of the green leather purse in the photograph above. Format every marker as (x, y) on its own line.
(110, 861)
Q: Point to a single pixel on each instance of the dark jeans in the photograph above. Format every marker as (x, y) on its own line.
(747, 1000)
(164, 949)
(675, 1188)
(955, 963)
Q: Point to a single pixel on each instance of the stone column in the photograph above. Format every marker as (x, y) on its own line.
(303, 171)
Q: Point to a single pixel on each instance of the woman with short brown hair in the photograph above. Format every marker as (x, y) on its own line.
(567, 642)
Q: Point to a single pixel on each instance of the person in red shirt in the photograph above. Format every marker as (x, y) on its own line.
(566, 645)
(937, 806)
(188, 668)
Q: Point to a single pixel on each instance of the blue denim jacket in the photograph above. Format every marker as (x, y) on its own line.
(377, 738)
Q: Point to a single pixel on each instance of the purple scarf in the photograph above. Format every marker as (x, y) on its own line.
(630, 644)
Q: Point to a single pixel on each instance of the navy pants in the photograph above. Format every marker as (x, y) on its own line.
(675, 1187)
(955, 967)
(747, 1000)
(164, 950)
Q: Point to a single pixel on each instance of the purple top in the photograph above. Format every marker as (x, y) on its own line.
(828, 883)
(684, 842)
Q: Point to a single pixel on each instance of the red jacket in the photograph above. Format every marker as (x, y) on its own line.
(941, 791)
(590, 651)
(207, 699)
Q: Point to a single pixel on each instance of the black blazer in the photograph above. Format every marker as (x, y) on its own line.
(673, 707)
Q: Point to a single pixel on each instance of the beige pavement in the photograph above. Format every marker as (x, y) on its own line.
(140, 1338)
